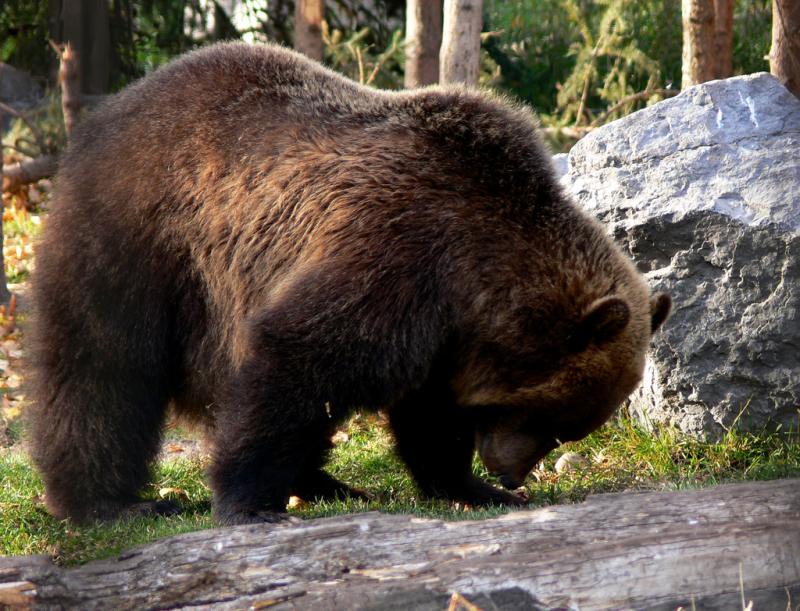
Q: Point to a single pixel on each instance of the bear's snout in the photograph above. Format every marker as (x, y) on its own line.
(510, 455)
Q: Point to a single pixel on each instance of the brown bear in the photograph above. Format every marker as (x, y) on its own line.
(267, 245)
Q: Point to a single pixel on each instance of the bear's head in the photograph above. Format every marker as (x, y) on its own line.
(528, 397)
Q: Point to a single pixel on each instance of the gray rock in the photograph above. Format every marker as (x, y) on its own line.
(18, 90)
(704, 191)
(561, 164)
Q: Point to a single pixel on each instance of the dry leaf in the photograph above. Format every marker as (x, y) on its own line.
(179, 492)
(340, 437)
(295, 502)
(571, 461)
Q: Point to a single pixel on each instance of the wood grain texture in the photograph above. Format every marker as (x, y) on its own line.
(784, 56)
(699, 42)
(423, 40)
(308, 17)
(459, 57)
(631, 550)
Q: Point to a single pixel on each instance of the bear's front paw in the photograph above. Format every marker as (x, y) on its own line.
(477, 492)
(487, 494)
(235, 518)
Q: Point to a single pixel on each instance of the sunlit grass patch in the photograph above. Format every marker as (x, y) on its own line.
(620, 456)
(20, 229)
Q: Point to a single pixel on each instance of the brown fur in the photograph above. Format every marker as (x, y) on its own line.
(267, 245)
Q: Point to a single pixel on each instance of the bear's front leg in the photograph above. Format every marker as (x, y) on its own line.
(436, 440)
(274, 425)
(268, 431)
(328, 342)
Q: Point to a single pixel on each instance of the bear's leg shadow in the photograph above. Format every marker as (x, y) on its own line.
(315, 483)
(436, 440)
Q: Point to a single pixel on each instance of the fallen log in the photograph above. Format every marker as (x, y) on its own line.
(29, 171)
(717, 548)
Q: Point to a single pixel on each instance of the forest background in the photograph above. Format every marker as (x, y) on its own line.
(560, 56)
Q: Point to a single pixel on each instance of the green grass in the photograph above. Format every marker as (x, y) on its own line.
(20, 229)
(620, 456)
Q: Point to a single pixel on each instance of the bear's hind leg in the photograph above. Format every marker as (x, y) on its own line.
(94, 432)
(437, 442)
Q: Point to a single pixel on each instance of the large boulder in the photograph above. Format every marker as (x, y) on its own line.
(704, 191)
(18, 90)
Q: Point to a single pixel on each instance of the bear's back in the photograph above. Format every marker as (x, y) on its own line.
(229, 86)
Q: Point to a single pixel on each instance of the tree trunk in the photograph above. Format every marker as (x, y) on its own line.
(699, 45)
(423, 40)
(308, 27)
(459, 58)
(705, 549)
(723, 38)
(784, 57)
(5, 295)
(86, 26)
(69, 80)
(97, 58)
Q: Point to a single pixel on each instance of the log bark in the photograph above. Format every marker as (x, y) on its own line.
(28, 171)
(423, 41)
(308, 16)
(459, 59)
(784, 56)
(699, 43)
(703, 549)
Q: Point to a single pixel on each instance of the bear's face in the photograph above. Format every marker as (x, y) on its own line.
(561, 395)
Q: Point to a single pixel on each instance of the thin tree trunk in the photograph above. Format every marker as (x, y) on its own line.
(97, 56)
(5, 295)
(459, 59)
(699, 45)
(784, 57)
(723, 36)
(308, 27)
(69, 79)
(423, 40)
(85, 25)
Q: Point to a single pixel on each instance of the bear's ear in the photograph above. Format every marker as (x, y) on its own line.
(660, 305)
(605, 319)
